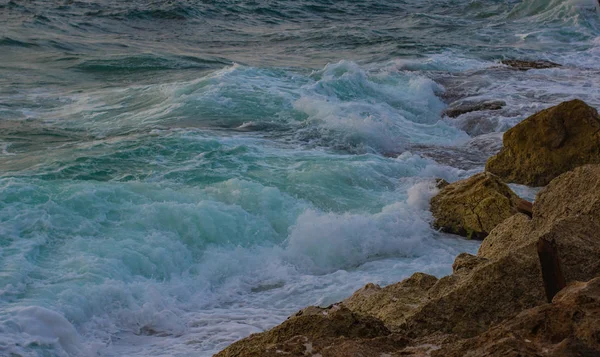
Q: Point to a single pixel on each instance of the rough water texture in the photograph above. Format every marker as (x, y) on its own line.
(502, 283)
(175, 176)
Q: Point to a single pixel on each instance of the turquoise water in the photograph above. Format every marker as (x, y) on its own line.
(177, 175)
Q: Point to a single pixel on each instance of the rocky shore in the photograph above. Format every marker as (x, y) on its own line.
(533, 289)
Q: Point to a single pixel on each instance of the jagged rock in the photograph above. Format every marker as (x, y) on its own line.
(314, 327)
(468, 302)
(457, 109)
(465, 262)
(548, 144)
(572, 194)
(506, 277)
(569, 326)
(568, 211)
(394, 302)
(473, 207)
(493, 304)
(301, 346)
(507, 237)
(526, 65)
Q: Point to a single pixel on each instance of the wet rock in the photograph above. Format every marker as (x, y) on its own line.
(441, 183)
(314, 327)
(526, 65)
(473, 207)
(457, 109)
(489, 144)
(506, 278)
(569, 326)
(548, 144)
(567, 211)
(393, 303)
(465, 157)
(493, 304)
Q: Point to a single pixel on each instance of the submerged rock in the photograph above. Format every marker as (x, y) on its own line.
(473, 207)
(526, 65)
(548, 144)
(456, 110)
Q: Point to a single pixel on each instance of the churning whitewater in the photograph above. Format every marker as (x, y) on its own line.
(175, 176)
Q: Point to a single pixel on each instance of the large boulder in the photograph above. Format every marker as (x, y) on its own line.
(548, 144)
(474, 206)
(472, 299)
(566, 211)
(505, 276)
(569, 326)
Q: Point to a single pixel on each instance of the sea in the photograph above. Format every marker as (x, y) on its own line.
(177, 175)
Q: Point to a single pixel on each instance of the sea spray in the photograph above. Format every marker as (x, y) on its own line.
(176, 176)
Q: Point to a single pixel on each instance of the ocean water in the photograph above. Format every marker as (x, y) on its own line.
(176, 175)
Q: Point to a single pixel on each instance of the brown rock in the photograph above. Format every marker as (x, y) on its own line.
(465, 262)
(467, 303)
(315, 327)
(567, 211)
(526, 65)
(493, 304)
(505, 278)
(393, 303)
(569, 326)
(456, 110)
(525, 207)
(575, 193)
(548, 144)
(506, 237)
(473, 207)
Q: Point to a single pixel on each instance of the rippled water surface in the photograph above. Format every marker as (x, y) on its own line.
(175, 175)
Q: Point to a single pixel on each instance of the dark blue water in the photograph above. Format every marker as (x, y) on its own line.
(175, 175)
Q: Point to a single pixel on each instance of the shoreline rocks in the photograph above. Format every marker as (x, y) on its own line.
(494, 303)
(474, 206)
(547, 144)
(566, 327)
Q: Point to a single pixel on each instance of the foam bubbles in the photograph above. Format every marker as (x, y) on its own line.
(34, 326)
(178, 267)
(380, 109)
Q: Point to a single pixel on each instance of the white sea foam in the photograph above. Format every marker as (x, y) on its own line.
(161, 234)
(25, 327)
(142, 269)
